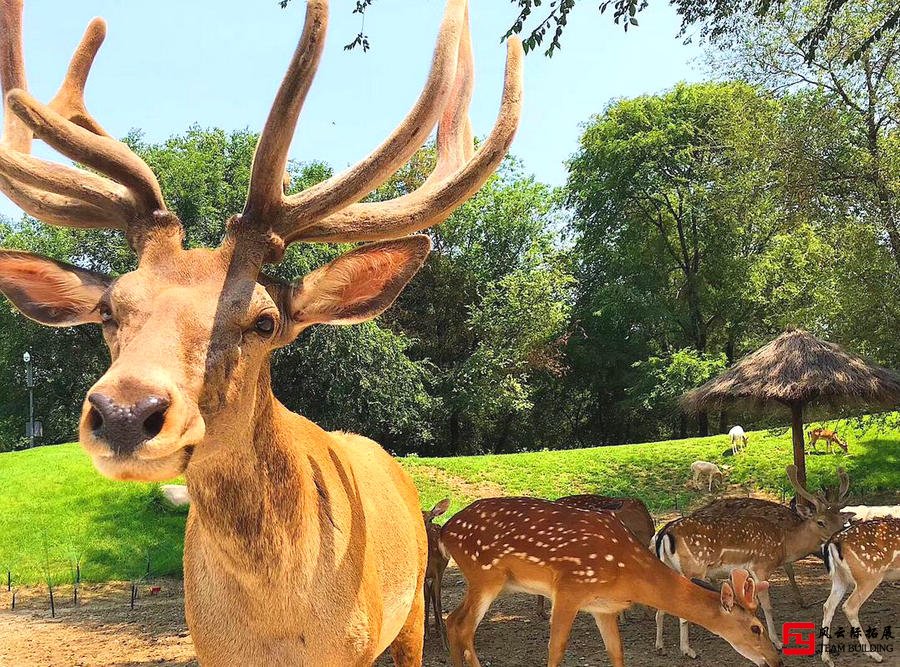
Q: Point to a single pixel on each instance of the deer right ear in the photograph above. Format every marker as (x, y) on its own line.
(726, 596)
(51, 292)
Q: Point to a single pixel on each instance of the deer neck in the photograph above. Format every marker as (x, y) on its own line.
(677, 595)
(249, 486)
(800, 540)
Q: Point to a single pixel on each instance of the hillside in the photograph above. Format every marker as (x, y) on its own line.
(56, 509)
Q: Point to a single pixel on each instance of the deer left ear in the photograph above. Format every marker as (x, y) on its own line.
(359, 285)
(726, 597)
(51, 292)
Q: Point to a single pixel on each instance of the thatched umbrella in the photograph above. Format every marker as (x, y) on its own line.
(791, 372)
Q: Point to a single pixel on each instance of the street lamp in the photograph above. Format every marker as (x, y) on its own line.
(30, 384)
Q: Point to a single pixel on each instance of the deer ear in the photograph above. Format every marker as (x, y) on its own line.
(359, 285)
(441, 507)
(51, 292)
(726, 596)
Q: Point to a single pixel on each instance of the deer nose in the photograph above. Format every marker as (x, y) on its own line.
(125, 427)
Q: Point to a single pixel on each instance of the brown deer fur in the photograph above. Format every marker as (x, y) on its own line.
(587, 561)
(434, 572)
(302, 546)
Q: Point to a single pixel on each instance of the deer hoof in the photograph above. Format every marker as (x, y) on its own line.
(689, 653)
(876, 656)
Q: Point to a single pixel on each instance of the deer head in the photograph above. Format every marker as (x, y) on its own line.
(821, 513)
(190, 331)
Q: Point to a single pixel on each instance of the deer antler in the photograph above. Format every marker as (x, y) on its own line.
(799, 489)
(129, 199)
(845, 485)
(328, 211)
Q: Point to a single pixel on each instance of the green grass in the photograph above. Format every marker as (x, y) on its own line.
(55, 507)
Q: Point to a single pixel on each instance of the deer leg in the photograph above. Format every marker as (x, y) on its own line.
(660, 618)
(406, 649)
(542, 607)
(851, 608)
(612, 639)
(683, 628)
(464, 620)
(789, 570)
(561, 617)
(839, 586)
(438, 605)
(766, 603)
(427, 589)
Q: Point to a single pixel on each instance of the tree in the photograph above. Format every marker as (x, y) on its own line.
(675, 197)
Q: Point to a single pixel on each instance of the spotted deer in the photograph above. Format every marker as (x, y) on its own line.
(830, 437)
(586, 561)
(727, 535)
(434, 571)
(858, 559)
(632, 512)
(805, 526)
(302, 546)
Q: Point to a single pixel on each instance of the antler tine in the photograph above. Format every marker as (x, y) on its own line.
(265, 197)
(129, 199)
(799, 489)
(286, 215)
(439, 196)
(69, 99)
(845, 484)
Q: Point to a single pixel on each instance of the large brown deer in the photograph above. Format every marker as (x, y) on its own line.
(302, 546)
(734, 533)
(860, 558)
(586, 561)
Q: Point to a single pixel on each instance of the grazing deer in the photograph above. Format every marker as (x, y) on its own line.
(738, 439)
(829, 436)
(632, 512)
(434, 571)
(731, 534)
(582, 561)
(710, 470)
(302, 546)
(860, 557)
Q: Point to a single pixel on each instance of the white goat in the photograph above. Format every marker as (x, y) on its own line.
(738, 439)
(869, 512)
(711, 470)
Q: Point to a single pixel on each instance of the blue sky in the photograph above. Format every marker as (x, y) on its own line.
(166, 65)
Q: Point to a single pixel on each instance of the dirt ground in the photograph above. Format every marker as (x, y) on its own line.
(103, 630)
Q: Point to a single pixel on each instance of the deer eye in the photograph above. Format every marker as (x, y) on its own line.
(756, 629)
(264, 325)
(106, 315)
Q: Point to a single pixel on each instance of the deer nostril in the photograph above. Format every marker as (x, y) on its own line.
(154, 423)
(95, 419)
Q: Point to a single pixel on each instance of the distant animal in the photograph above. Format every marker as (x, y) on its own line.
(434, 571)
(868, 512)
(829, 436)
(632, 512)
(710, 470)
(858, 559)
(739, 439)
(583, 561)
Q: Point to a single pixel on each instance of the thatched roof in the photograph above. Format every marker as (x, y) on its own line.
(797, 367)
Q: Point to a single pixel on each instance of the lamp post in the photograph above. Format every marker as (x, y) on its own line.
(29, 375)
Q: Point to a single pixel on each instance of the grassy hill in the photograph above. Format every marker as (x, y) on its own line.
(55, 509)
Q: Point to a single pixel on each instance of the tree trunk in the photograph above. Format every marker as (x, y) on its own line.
(798, 440)
(682, 426)
(723, 421)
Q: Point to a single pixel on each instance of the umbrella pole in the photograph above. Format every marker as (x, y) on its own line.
(799, 444)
